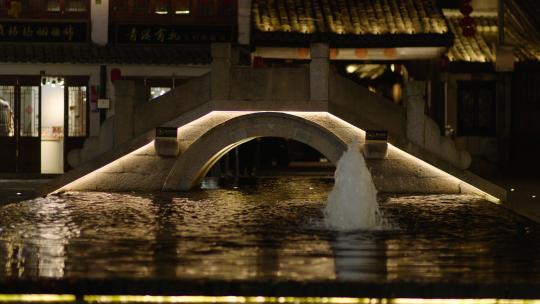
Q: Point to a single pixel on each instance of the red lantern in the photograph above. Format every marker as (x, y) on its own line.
(303, 52)
(116, 74)
(333, 53)
(466, 9)
(258, 62)
(390, 52)
(361, 53)
(467, 24)
(445, 62)
(468, 31)
(467, 21)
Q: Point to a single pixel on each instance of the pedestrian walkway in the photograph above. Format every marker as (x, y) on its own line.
(523, 195)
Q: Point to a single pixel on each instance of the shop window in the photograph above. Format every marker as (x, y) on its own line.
(7, 108)
(155, 92)
(77, 104)
(29, 111)
(476, 108)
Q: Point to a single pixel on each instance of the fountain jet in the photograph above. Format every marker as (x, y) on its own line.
(352, 203)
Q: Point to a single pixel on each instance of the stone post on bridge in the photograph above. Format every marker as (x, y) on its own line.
(221, 67)
(318, 72)
(127, 94)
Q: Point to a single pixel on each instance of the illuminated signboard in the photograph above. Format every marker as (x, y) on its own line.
(43, 32)
(172, 34)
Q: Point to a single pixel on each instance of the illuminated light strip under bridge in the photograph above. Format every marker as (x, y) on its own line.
(305, 115)
(67, 298)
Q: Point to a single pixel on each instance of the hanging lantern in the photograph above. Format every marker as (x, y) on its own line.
(258, 62)
(466, 9)
(469, 31)
(390, 53)
(334, 53)
(467, 24)
(303, 53)
(445, 63)
(467, 21)
(361, 53)
(116, 74)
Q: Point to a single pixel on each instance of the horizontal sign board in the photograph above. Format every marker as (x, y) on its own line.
(381, 135)
(43, 31)
(166, 132)
(172, 34)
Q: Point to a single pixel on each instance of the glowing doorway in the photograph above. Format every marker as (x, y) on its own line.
(52, 125)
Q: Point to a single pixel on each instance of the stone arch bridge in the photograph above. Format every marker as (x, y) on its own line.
(233, 104)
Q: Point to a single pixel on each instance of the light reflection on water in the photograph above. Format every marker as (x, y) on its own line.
(269, 231)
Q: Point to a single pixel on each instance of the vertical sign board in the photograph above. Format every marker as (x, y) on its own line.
(376, 146)
(166, 143)
(166, 132)
(376, 135)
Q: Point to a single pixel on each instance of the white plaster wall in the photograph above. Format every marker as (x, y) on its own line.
(100, 21)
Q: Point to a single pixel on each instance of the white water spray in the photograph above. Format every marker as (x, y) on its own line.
(352, 203)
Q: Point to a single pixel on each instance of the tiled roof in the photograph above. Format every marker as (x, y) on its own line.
(349, 21)
(476, 48)
(65, 53)
(481, 47)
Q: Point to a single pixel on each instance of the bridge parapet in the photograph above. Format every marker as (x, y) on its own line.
(230, 88)
(269, 84)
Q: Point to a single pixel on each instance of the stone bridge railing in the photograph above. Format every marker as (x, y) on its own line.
(312, 87)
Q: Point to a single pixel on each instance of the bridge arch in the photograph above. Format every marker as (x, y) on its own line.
(192, 165)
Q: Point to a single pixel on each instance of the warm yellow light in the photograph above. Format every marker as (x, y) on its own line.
(86, 179)
(36, 298)
(512, 189)
(182, 12)
(351, 68)
(290, 300)
(484, 194)
(221, 299)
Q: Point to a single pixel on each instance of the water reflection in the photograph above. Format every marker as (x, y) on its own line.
(270, 231)
(36, 246)
(359, 257)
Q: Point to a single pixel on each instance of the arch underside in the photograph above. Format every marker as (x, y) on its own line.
(191, 166)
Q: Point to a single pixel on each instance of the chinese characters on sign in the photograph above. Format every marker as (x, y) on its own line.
(43, 32)
(172, 34)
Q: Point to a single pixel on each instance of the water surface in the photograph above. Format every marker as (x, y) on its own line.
(273, 230)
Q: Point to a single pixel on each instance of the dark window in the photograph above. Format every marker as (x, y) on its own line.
(476, 108)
